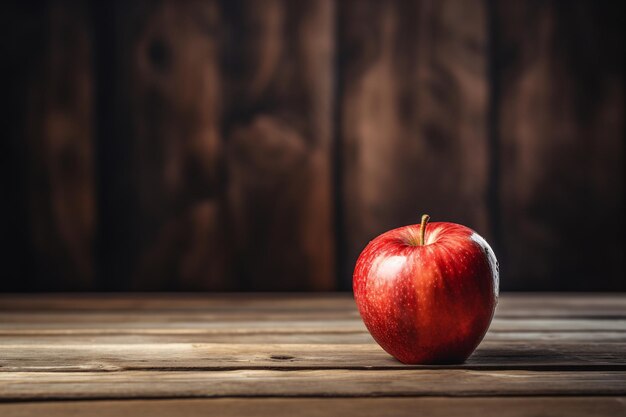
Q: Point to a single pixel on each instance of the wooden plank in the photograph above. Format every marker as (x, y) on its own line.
(251, 302)
(229, 151)
(524, 324)
(160, 221)
(104, 318)
(220, 356)
(342, 383)
(25, 323)
(49, 221)
(561, 107)
(315, 407)
(278, 70)
(62, 191)
(546, 338)
(413, 101)
(573, 305)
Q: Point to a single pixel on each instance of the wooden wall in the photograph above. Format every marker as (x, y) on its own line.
(259, 145)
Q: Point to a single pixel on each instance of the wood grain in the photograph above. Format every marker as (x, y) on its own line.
(319, 407)
(245, 145)
(63, 178)
(220, 356)
(187, 332)
(561, 130)
(48, 205)
(412, 116)
(198, 323)
(341, 383)
(160, 225)
(546, 339)
(510, 305)
(251, 318)
(223, 121)
(147, 348)
(277, 128)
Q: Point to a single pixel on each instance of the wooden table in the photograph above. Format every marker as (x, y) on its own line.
(304, 355)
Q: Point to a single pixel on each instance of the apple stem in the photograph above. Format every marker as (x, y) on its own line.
(425, 219)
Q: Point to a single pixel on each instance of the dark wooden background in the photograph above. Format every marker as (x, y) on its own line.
(259, 145)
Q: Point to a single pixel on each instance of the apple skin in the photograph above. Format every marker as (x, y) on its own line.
(429, 304)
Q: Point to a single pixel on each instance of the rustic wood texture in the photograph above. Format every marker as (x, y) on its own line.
(95, 347)
(321, 407)
(413, 101)
(561, 130)
(61, 192)
(162, 210)
(246, 145)
(224, 112)
(304, 383)
(278, 62)
(72, 356)
(537, 305)
(51, 218)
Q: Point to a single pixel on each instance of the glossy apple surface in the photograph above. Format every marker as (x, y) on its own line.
(429, 303)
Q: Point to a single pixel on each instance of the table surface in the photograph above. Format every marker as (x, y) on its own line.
(294, 354)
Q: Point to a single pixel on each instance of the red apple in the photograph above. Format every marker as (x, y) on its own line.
(427, 293)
